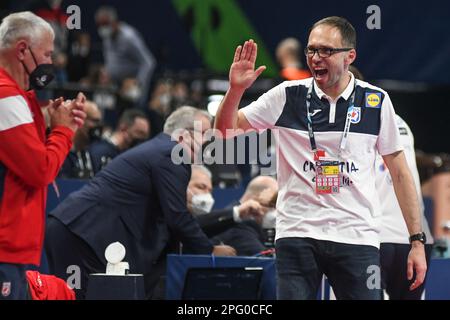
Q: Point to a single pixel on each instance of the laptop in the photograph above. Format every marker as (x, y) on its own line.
(233, 283)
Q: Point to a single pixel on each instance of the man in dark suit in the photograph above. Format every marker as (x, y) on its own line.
(139, 199)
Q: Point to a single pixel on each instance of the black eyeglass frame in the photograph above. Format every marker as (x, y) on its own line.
(330, 52)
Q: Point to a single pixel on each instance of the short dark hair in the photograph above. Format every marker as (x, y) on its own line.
(129, 116)
(346, 29)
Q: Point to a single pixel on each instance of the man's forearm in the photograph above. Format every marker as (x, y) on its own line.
(227, 114)
(407, 199)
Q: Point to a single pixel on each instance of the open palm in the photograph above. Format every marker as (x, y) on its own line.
(242, 71)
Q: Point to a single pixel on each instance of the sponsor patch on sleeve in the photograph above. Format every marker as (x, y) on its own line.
(373, 100)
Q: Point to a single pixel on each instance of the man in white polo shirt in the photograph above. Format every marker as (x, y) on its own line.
(394, 248)
(329, 129)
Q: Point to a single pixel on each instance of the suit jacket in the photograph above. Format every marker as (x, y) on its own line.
(216, 221)
(139, 199)
(102, 152)
(246, 237)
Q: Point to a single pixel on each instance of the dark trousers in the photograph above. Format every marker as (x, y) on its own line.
(393, 257)
(352, 270)
(69, 257)
(13, 283)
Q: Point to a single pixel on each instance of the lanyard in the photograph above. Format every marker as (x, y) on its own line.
(312, 139)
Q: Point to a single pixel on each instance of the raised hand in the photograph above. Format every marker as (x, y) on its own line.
(242, 71)
(252, 209)
(69, 113)
(78, 109)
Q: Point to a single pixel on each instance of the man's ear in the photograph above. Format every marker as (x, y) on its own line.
(20, 48)
(351, 56)
(184, 137)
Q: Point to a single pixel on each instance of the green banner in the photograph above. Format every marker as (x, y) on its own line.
(217, 28)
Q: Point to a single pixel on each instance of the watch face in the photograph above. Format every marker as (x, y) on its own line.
(424, 238)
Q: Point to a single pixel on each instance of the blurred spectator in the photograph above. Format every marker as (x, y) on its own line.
(268, 198)
(238, 235)
(180, 95)
(200, 203)
(60, 63)
(434, 170)
(78, 163)
(159, 106)
(288, 55)
(161, 99)
(103, 93)
(79, 57)
(132, 129)
(240, 224)
(98, 76)
(125, 52)
(129, 94)
(55, 15)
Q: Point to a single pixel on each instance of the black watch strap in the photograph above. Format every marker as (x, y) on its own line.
(418, 237)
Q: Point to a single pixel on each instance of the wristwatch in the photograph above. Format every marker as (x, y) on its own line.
(418, 237)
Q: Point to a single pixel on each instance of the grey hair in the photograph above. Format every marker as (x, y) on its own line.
(202, 168)
(183, 118)
(23, 25)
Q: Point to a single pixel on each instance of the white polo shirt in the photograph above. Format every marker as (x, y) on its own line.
(393, 227)
(346, 217)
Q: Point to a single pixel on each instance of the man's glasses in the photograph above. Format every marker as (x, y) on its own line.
(323, 52)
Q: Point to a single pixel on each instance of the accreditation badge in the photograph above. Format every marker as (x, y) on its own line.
(327, 176)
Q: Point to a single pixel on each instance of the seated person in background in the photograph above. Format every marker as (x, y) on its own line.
(435, 175)
(139, 199)
(394, 235)
(268, 198)
(78, 164)
(128, 95)
(288, 55)
(133, 128)
(238, 226)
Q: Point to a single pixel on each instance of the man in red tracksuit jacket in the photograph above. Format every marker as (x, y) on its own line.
(29, 160)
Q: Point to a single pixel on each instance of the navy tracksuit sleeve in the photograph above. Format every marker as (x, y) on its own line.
(170, 183)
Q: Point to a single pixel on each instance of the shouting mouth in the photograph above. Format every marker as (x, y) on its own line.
(320, 72)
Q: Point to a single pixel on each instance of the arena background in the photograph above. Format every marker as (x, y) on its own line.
(408, 56)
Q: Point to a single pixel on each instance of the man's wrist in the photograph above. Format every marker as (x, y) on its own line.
(418, 238)
(417, 244)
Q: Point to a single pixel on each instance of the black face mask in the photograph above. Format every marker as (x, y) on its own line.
(42, 75)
